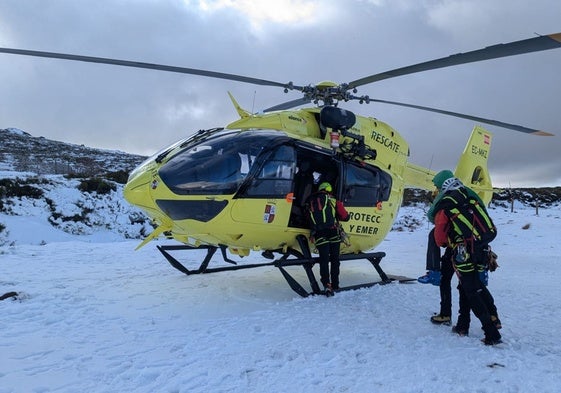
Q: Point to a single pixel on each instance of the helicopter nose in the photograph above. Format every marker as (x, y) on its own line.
(137, 190)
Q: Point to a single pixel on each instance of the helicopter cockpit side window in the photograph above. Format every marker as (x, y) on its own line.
(365, 186)
(275, 177)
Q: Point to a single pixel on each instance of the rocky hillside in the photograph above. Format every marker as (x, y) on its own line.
(21, 152)
(73, 188)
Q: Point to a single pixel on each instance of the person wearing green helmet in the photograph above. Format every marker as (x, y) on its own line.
(440, 268)
(464, 228)
(325, 212)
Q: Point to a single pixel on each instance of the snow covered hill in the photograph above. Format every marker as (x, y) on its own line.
(74, 189)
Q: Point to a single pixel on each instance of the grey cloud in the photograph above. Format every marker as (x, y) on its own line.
(141, 111)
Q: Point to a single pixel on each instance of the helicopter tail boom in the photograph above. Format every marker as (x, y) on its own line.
(418, 177)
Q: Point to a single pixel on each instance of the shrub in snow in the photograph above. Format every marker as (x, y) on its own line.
(96, 184)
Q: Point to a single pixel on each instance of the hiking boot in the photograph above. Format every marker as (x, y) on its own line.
(432, 277)
(460, 331)
(490, 341)
(439, 319)
(328, 290)
(496, 321)
(424, 279)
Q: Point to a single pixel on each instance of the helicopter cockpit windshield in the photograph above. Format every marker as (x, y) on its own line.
(217, 165)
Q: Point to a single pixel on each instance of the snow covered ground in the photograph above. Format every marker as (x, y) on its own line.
(96, 316)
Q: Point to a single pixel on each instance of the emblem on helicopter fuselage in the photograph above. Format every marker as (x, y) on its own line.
(269, 214)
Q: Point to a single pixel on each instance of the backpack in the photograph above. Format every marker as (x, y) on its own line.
(322, 213)
(470, 222)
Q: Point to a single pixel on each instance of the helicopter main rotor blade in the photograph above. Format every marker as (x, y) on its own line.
(288, 104)
(468, 117)
(535, 44)
(150, 66)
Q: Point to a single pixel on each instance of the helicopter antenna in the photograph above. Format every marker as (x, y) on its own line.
(431, 159)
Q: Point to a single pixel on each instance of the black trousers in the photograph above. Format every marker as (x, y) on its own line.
(465, 307)
(447, 272)
(476, 297)
(433, 253)
(329, 253)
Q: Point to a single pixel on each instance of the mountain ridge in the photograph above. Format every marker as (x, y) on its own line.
(22, 152)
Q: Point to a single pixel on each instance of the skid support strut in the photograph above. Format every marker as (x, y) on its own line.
(292, 257)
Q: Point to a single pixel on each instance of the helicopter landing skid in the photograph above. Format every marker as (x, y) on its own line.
(303, 259)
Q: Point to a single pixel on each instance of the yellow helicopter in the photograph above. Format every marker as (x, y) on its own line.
(243, 187)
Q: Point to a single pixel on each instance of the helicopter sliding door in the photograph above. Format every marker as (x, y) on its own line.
(365, 185)
(358, 185)
(365, 190)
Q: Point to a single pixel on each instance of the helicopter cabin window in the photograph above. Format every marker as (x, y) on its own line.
(274, 179)
(215, 166)
(366, 186)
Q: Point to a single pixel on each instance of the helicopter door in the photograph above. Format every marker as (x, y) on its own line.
(312, 168)
(266, 199)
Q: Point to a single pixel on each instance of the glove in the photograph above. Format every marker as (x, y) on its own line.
(492, 261)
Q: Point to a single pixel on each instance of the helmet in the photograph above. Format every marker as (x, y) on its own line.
(441, 176)
(325, 186)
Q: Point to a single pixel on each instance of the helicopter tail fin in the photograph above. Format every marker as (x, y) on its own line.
(242, 112)
(472, 166)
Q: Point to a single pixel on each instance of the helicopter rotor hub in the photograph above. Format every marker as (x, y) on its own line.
(327, 94)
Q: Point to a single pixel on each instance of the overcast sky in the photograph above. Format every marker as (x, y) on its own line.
(141, 111)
